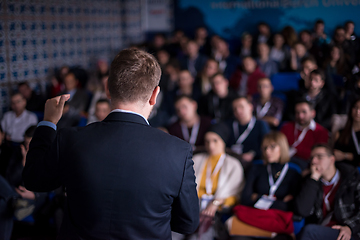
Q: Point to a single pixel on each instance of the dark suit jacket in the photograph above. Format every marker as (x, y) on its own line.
(124, 179)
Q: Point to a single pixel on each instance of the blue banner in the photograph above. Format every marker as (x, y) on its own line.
(230, 19)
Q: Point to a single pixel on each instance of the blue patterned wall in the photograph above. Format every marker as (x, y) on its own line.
(37, 36)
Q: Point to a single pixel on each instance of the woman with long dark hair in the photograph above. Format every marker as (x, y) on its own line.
(347, 147)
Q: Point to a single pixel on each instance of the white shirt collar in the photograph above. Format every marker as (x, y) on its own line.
(127, 111)
(312, 126)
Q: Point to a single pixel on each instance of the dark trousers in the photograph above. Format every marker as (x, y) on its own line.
(6, 213)
(315, 232)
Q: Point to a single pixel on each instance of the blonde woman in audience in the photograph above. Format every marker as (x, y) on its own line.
(269, 185)
(219, 178)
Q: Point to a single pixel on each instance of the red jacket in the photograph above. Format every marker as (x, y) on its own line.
(251, 83)
(319, 135)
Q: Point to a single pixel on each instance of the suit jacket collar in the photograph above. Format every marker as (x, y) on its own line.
(125, 117)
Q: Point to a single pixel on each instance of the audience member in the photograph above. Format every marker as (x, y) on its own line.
(15, 122)
(347, 146)
(227, 61)
(304, 132)
(280, 53)
(203, 80)
(266, 107)
(5, 154)
(298, 53)
(158, 42)
(34, 102)
(190, 126)
(348, 47)
(265, 63)
(163, 57)
(290, 36)
(79, 98)
(320, 41)
(193, 61)
(170, 76)
(329, 198)
(270, 185)
(220, 179)
(264, 34)
(306, 39)
(100, 93)
(335, 65)
(244, 81)
(323, 101)
(246, 132)
(246, 45)
(102, 109)
(202, 40)
(275, 150)
(217, 104)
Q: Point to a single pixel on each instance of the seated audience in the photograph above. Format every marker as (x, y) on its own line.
(170, 76)
(246, 132)
(320, 41)
(268, 66)
(15, 122)
(79, 98)
(190, 126)
(298, 53)
(203, 80)
(266, 107)
(304, 132)
(246, 45)
(347, 146)
(193, 61)
(263, 35)
(348, 47)
(102, 109)
(34, 102)
(219, 178)
(280, 53)
(335, 65)
(227, 61)
(244, 81)
(187, 86)
(323, 101)
(270, 185)
(217, 104)
(202, 40)
(100, 93)
(329, 198)
(290, 36)
(275, 151)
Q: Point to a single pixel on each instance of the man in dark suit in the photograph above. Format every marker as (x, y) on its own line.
(124, 179)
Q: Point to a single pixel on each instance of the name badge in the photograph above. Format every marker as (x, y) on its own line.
(237, 148)
(265, 202)
(292, 151)
(205, 200)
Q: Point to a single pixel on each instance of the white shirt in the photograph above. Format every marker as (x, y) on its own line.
(127, 111)
(15, 127)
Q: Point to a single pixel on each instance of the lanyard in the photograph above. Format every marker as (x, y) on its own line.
(247, 131)
(333, 181)
(356, 142)
(209, 175)
(262, 111)
(275, 186)
(194, 133)
(302, 134)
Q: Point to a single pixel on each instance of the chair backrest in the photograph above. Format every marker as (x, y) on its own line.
(286, 81)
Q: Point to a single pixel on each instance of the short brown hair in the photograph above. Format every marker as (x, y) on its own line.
(134, 74)
(326, 146)
(280, 139)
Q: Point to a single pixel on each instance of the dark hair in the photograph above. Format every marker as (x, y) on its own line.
(217, 74)
(328, 149)
(1, 130)
(308, 58)
(319, 72)
(23, 84)
(346, 133)
(349, 22)
(319, 21)
(303, 100)
(134, 74)
(103, 100)
(30, 131)
(16, 93)
(178, 98)
(241, 97)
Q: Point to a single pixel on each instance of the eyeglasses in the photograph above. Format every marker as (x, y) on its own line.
(271, 146)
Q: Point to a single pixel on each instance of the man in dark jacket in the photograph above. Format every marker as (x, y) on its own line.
(329, 199)
(123, 178)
